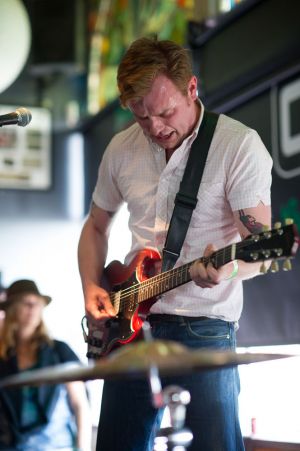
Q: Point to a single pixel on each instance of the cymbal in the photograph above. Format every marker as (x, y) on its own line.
(135, 360)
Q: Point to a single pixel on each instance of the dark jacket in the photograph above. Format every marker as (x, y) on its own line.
(11, 398)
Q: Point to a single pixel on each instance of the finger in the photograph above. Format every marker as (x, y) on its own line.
(199, 275)
(212, 275)
(204, 277)
(103, 303)
(106, 307)
(198, 271)
(210, 248)
(99, 307)
(97, 317)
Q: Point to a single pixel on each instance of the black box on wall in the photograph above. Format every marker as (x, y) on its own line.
(58, 35)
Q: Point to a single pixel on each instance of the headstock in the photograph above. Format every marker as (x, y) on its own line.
(279, 243)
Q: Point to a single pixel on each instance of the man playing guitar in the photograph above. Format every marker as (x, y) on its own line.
(143, 166)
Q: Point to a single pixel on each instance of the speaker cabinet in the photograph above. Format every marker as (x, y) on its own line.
(58, 35)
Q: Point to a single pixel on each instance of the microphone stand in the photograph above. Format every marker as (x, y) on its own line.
(175, 437)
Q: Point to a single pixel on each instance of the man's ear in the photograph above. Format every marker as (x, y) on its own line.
(192, 88)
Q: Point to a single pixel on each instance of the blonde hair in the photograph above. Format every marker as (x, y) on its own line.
(147, 58)
(8, 335)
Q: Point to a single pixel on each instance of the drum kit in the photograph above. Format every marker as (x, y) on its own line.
(148, 358)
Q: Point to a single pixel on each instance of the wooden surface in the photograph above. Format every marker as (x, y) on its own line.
(264, 445)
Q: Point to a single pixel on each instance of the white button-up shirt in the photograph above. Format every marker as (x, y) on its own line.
(237, 175)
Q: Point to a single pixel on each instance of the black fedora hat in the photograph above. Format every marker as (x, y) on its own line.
(19, 288)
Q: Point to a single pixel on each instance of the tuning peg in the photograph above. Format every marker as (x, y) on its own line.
(266, 253)
(289, 221)
(267, 232)
(287, 265)
(274, 266)
(254, 255)
(263, 269)
(277, 226)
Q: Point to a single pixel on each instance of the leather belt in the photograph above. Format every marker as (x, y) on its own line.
(169, 318)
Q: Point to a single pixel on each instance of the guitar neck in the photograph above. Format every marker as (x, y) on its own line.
(175, 277)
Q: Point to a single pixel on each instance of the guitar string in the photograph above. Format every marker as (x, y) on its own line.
(126, 293)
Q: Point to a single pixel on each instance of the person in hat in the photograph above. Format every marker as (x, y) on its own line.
(45, 417)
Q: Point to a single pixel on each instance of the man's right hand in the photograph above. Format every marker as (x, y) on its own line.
(98, 306)
(92, 252)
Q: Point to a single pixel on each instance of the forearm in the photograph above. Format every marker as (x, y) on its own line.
(92, 252)
(82, 412)
(253, 221)
(248, 270)
(84, 429)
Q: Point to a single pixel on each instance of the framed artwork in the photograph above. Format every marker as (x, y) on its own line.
(25, 152)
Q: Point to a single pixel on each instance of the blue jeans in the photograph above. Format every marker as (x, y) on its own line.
(129, 422)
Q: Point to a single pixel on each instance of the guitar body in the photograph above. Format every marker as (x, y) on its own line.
(127, 324)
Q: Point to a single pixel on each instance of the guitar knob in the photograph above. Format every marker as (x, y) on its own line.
(274, 266)
(287, 265)
(289, 221)
(263, 269)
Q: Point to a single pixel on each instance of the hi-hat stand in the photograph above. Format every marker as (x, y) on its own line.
(176, 437)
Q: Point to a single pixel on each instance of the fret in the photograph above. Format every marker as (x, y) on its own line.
(162, 283)
(233, 251)
(223, 256)
(140, 294)
(160, 278)
(147, 292)
(172, 278)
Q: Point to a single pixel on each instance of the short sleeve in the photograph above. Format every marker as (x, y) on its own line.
(65, 353)
(106, 194)
(249, 180)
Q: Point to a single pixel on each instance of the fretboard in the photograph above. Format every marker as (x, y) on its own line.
(166, 281)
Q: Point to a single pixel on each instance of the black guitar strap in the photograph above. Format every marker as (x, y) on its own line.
(186, 198)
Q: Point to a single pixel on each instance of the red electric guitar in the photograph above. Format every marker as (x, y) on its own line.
(135, 288)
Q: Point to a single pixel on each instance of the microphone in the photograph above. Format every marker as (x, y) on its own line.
(21, 117)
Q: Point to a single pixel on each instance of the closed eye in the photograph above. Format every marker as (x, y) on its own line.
(166, 113)
(141, 118)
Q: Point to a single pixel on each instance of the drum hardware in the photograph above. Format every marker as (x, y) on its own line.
(174, 399)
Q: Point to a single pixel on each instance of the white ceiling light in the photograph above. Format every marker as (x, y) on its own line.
(15, 40)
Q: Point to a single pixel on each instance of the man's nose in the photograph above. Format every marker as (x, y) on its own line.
(156, 125)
